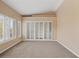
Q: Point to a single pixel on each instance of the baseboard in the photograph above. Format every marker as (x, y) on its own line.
(9, 47)
(68, 49)
(38, 40)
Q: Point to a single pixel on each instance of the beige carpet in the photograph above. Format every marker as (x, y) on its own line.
(38, 50)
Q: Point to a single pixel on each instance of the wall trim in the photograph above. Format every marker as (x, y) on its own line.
(37, 40)
(68, 49)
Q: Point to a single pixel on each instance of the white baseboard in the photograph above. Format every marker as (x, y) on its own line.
(38, 40)
(9, 47)
(68, 49)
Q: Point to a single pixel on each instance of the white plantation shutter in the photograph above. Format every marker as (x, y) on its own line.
(38, 30)
(10, 28)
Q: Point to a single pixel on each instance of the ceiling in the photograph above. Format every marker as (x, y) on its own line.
(29, 7)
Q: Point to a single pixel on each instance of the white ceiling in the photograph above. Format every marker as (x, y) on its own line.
(29, 7)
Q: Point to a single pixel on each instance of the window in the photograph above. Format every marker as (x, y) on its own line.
(39, 30)
(15, 28)
(19, 28)
(1, 27)
(10, 28)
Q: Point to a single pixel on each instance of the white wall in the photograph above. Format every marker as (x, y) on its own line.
(68, 25)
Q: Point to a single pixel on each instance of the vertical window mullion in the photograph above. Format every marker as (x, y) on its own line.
(43, 30)
(47, 30)
(34, 30)
(15, 29)
(39, 31)
(30, 29)
(52, 30)
(20, 28)
(3, 29)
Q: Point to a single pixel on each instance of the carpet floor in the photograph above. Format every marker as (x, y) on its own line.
(38, 50)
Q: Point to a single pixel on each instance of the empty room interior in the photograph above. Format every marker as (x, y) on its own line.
(39, 28)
